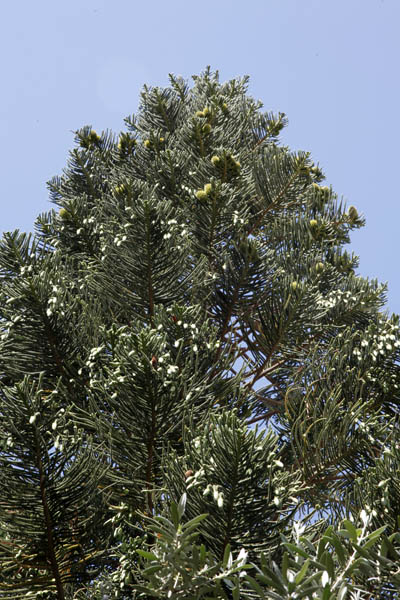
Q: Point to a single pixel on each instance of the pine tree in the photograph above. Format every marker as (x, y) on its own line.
(199, 395)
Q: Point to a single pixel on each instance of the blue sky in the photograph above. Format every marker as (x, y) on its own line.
(331, 65)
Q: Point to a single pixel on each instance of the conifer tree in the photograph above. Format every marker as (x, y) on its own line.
(199, 395)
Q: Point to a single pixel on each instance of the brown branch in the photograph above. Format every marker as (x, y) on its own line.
(150, 458)
(225, 326)
(265, 417)
(149, 272)
(273, 203)
(49, 525)
(259, 372)
(268, 401)
(332, 477)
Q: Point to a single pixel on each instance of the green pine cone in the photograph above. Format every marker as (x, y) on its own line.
(93, 137)
(201, 195)
(120, 189)
(64, 214)
(353, 213)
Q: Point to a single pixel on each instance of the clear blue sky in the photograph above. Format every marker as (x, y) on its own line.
(331, 65)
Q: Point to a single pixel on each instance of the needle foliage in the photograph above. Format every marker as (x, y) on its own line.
(199, 396)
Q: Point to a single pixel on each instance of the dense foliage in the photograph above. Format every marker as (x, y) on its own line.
(199, 397)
